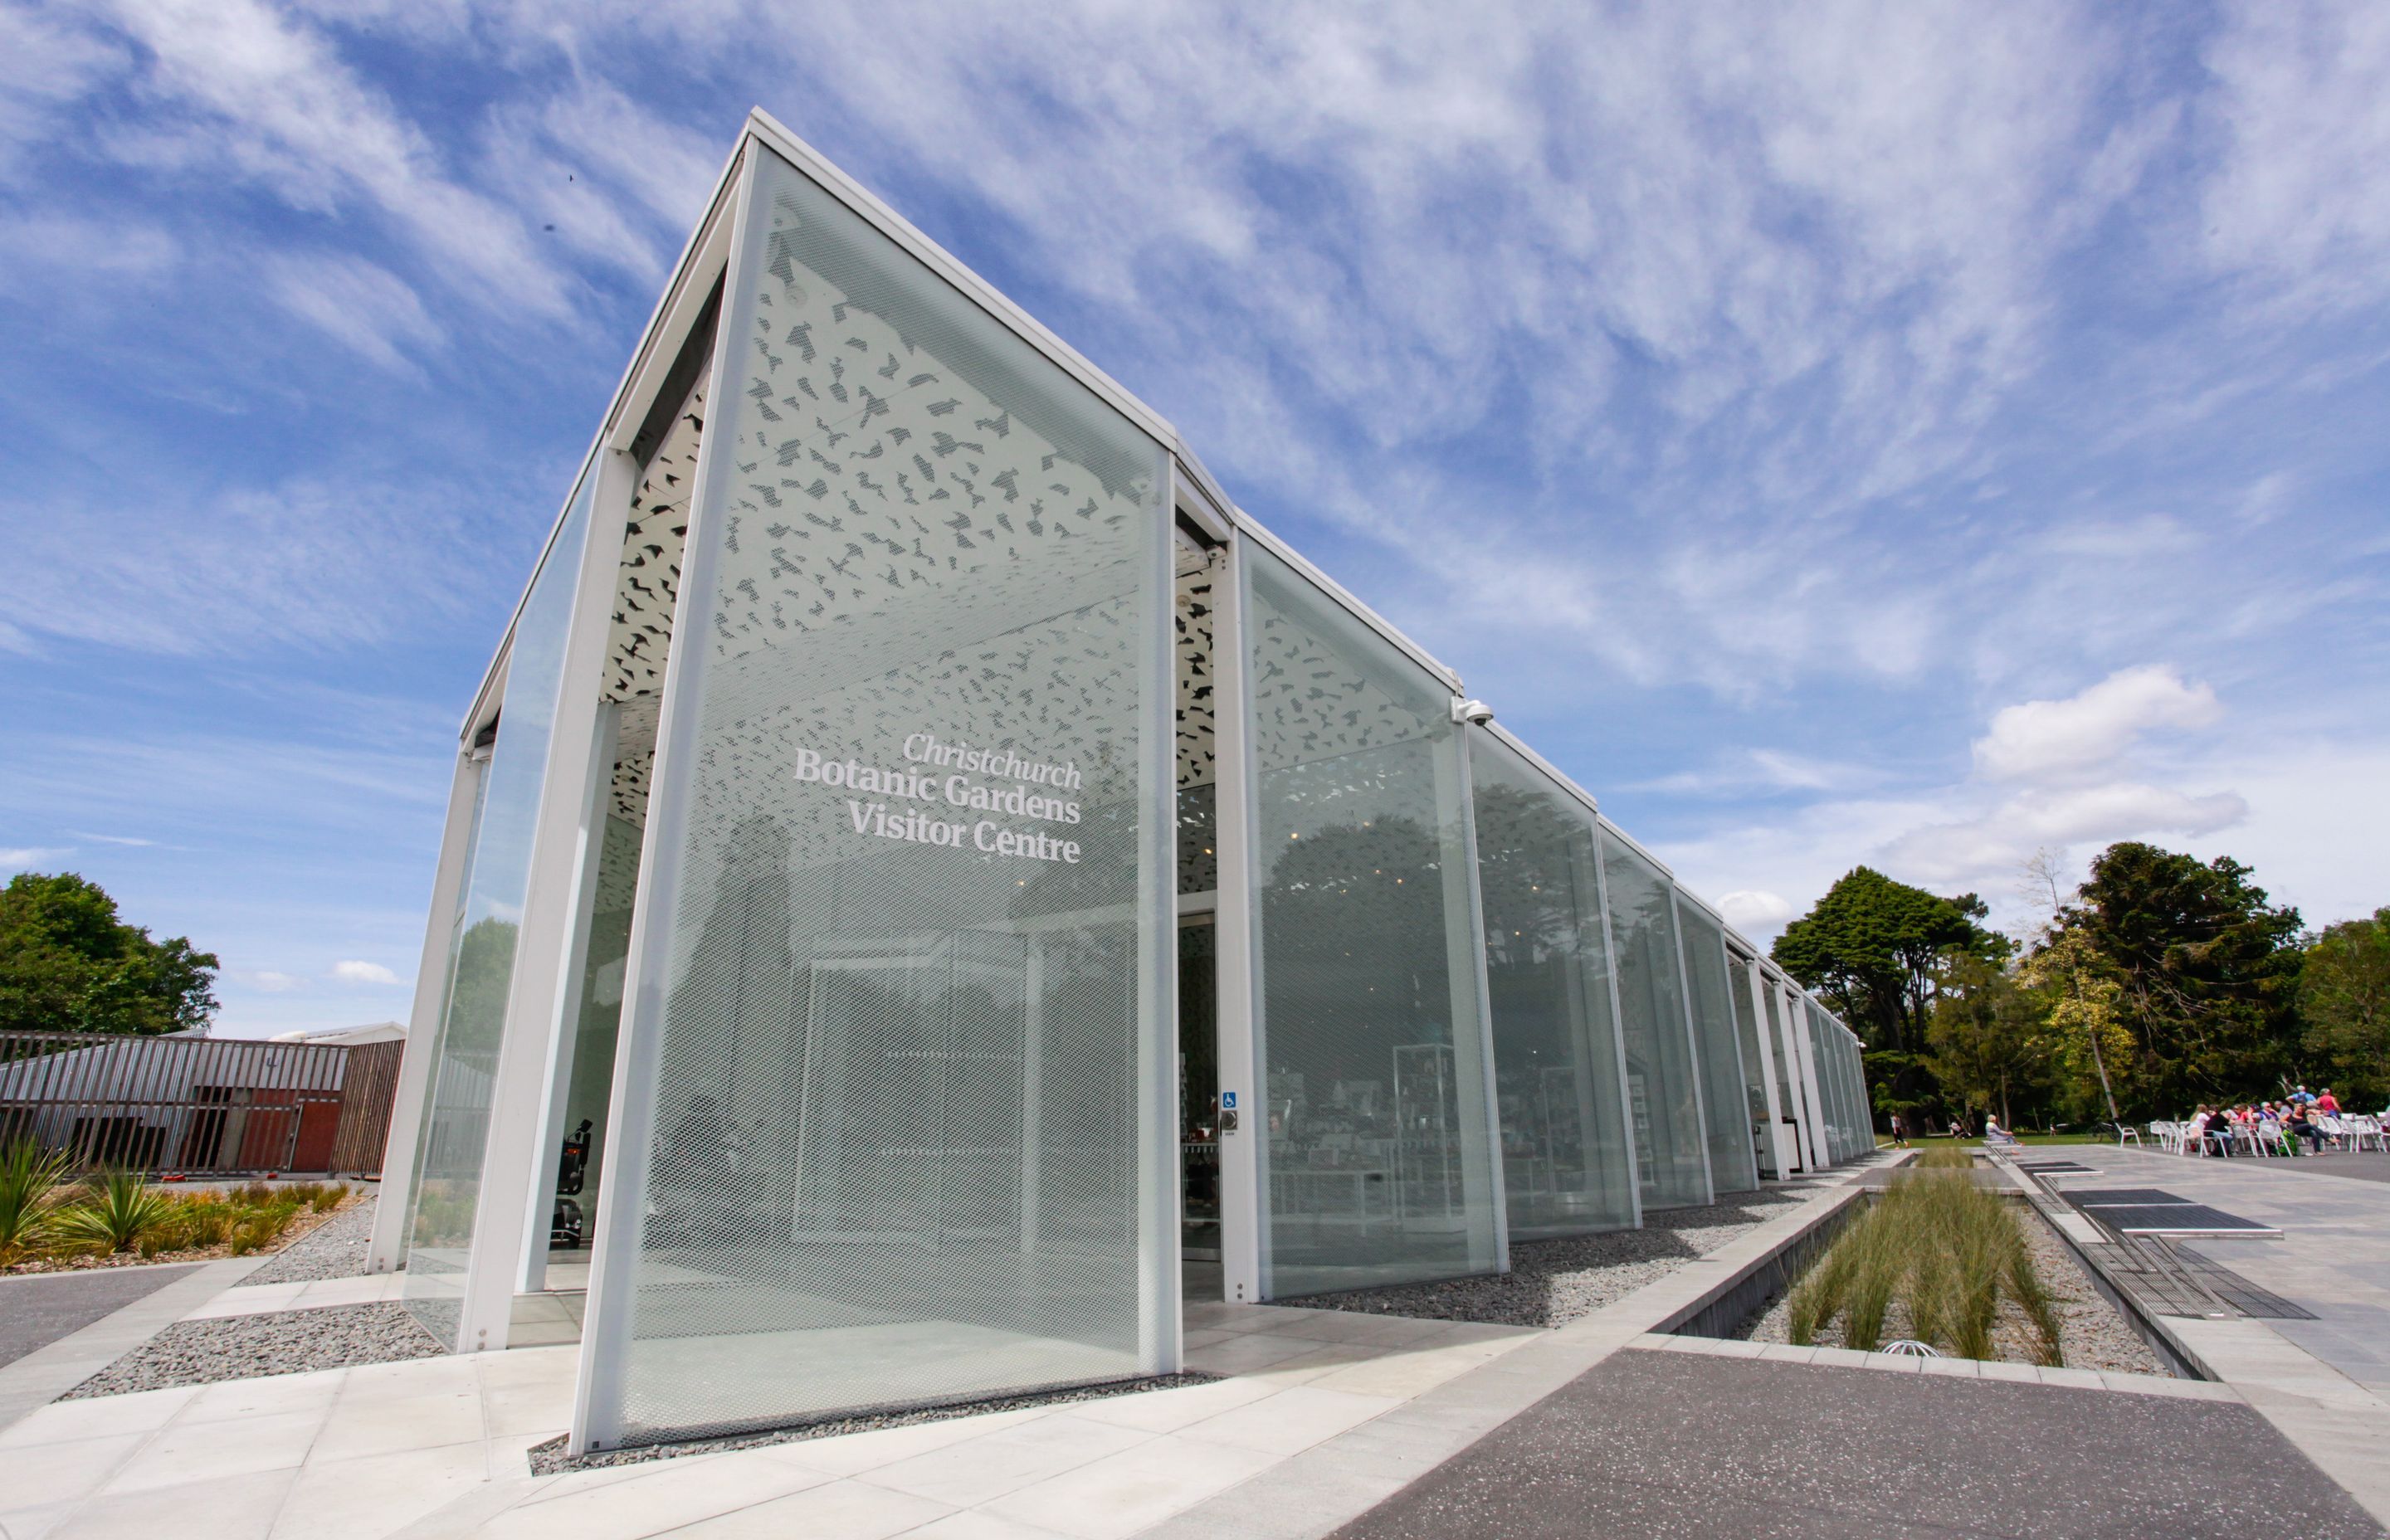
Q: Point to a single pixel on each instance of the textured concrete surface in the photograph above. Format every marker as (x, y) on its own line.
(1675, 1444)
(37, 1310)
(49, 1372)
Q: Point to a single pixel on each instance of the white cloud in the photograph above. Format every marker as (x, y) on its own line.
(1755, 911)
(269, 980)
(350, 972)
(1967, 851)
(355, 302)
(238, 89)
(2090, 728)
(111, 838)
(23, 858)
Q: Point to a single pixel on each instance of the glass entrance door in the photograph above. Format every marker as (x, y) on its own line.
(1198, 1091)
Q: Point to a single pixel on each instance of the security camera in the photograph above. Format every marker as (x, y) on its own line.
(1473, 710)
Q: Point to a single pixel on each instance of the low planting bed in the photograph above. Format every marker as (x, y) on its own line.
(1973, 1273)
(53, 1221)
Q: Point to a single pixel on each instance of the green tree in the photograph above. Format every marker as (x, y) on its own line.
(2205, 972)
(2083, 1046)
(1986, 1042)
(1876, 949)
(68, 963)
(2344, 1005)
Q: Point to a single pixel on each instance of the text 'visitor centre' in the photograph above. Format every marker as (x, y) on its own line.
(929, 883)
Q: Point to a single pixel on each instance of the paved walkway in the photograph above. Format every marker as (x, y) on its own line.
(1653, 1443)
(2324, 1383)
(38, 1309)
(1320, 1417)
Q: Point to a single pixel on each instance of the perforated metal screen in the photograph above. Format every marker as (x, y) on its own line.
(898, 1025)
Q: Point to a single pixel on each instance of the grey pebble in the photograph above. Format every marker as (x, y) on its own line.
(246, 1347)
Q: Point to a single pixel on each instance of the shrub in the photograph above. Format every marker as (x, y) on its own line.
(28, 1181)
(331, 1198)
(117, 1211)
(1945, 1157)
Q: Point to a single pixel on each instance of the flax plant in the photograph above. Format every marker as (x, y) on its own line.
(29, 1180)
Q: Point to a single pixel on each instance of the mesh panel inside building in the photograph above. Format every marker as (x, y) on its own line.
(1755, 1053)
(1566, 1168)
(899, 1002)
(455, 1140)
(1378, 1165)
(1733, 1168)
(1670, 1159)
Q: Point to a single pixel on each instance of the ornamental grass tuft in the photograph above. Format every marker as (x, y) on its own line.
(1946, 1252)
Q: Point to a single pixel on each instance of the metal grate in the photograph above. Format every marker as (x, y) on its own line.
(2174, 1280)
(2177, 1219)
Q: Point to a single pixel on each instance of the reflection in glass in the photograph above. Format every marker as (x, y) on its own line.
(1379, 1161)
(482, 957)
(1565, 1166)
(1754, 1060)
(1662, 1088)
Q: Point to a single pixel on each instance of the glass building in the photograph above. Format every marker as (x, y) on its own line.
(930, 884)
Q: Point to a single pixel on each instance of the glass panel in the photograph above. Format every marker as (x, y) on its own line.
(1788, 1096)
(1814, 1021)
(1565, 1166)
(1732, 1167)
(482, 957)
(1199, 1092)
(911, 1112)
(582, 1121)
(1755, 1059)
(1661, 1087)
(1379, 1163)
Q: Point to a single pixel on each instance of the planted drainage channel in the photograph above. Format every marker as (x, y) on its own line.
(2063, 1291)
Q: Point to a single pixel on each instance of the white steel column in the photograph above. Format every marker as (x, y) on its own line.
(511, 1159)
(1244, 1149)
(1159, 1195)
(419, 1062)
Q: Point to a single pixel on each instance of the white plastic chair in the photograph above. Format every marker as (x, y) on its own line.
(2126, 1131)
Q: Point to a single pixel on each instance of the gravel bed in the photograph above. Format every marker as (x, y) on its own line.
(246, 1347)
(2091, 1335)
(336, 1249)
(548, 1458)
(1554, 1282)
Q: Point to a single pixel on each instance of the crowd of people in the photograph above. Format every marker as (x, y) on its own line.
(2278, 1127)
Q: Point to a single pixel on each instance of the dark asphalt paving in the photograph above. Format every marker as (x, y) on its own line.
(38, 1310)
(1668, 1444)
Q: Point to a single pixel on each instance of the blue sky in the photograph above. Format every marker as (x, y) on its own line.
(1897, 433)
